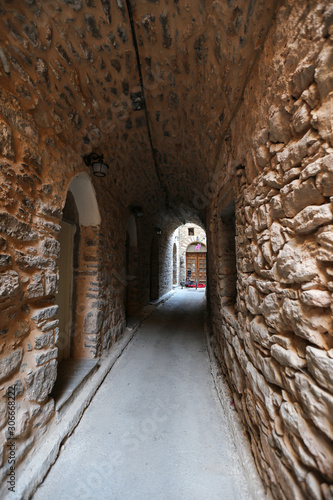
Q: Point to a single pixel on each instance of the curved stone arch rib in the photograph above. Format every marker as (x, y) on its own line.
(85, 198)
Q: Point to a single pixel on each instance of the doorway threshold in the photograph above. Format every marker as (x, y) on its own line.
(72, 373)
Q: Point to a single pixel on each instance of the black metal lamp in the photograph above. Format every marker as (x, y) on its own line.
(97, 163)
(158, 230)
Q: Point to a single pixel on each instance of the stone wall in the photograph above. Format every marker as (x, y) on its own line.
(275, 342)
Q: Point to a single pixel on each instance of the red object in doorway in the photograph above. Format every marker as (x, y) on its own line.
(200, 285)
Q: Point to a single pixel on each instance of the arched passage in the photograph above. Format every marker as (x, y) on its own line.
(79, 318)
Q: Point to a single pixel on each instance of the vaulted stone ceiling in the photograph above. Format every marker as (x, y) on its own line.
(152, 84)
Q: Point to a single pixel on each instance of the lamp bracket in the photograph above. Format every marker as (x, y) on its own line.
(93, 158)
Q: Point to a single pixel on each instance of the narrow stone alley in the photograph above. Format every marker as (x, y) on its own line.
(155, 429)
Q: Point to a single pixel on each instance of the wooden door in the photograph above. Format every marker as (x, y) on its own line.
(64, 296)
(196, 262)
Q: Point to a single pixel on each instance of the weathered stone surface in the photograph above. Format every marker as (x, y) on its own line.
(10, 363)
(39, 384)
(50, 247)
(259, 331)
(3, 414)
(287, 357)
(315, 443)
(320, 365)
(296, 263)
(308, 323)
(299, 195)
(279, 126)
(324, 73)
(43, 340)
(44, 314)
(93, 322)
(9, 284)
(6, 141)
(44, 357)
(22, 330)
(316, 403)
(44, 415)
(35, 289)
(301, 119)
(324, 180)
(293, 155)
(317, 298)
(310, 219)
(15, 228)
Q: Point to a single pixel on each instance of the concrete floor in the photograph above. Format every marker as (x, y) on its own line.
(155, 429)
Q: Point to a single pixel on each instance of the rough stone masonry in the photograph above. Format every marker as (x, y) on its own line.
(210, 113)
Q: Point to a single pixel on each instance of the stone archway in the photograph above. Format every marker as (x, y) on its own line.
(79, 242)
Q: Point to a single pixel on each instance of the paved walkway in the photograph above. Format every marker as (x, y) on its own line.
(155, 429)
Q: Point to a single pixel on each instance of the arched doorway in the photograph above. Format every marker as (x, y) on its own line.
(174, 261)
(196, 263)
(77, 237)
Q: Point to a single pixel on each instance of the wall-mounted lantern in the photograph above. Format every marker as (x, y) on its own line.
(96, 161)
(158, 231)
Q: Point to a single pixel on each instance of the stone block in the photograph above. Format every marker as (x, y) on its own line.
(259, 331)
(44, 314)
(293, 155)
(276, 236)
(22, 330)
(308, 323)
(301, 119)
(51, 284)
(314, 442)
(316, 298)
(296, 262)
(35, 289)
(320, 365)
(279, 125)
(51, 247)
(44, 357)
(253, 300)
(317, 404)
(93, 322)
(6, 141)
(44, 414)
(15, 228)
(324, 73)
(10, 364)
(287, 357)
(298, 195)
(9, 284)
(3, 414)
(302, 78)
(43, 340)
(310, 218)
(324, 181)
(39, 384)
